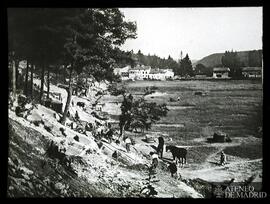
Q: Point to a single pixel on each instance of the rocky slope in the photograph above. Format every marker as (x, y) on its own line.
(84, 168)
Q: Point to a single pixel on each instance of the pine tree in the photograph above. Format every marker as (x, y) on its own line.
(186, 67)
(231, 60)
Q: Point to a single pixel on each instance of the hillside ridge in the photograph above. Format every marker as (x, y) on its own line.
(215, 58)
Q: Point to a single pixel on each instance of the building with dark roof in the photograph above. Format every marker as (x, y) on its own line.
(252, 72)
(221, 72)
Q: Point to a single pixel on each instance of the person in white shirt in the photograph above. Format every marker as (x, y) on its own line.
(154, 159)
(128, 143)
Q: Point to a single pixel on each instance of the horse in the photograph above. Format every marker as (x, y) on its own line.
(179, 153)
(160, 146)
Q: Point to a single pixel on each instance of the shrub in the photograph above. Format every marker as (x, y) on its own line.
(47, 128)
(76, 138)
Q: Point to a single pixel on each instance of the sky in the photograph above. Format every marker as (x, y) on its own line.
(196, 31)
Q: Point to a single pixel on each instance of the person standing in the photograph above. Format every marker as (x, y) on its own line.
(128, 143)
(222, 158)
(154, 159)
(160, 146)
(173, 168)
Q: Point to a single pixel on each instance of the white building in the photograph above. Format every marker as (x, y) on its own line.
(221, 72)
(139, 72)
(122, 72)
(252, 72)
(133, 74)
(169, 74)
(157, 74)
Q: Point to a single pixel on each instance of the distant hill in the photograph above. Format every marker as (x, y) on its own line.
(215, 59)
(194, 61)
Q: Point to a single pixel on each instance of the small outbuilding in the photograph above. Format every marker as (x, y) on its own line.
(221, 72)
(252, 72)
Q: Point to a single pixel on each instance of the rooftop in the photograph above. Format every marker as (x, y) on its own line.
(221, 69)
(138, 67)
(251, 68)
(156, 71)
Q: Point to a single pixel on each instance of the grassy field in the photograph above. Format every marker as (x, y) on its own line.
(234, 107)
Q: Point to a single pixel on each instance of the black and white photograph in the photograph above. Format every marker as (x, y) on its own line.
(135, 102)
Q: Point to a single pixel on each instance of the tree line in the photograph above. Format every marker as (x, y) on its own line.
(232, 60)
(65, 42)
(181, 67)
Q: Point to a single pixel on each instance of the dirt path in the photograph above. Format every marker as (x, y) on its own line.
(240, 170)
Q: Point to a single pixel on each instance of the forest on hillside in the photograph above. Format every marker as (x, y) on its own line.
(232, 59)
(181, 67)
(252, 58)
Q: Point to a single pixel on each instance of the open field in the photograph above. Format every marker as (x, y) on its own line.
(231, 106)
(234, 107)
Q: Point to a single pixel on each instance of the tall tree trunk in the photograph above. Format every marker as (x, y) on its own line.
(17, 72)
(69, 91)
(42, 82)
(31, 81)
(48, 84)
(26, 80)
(56, 75)
(14, 81)
(64, 73)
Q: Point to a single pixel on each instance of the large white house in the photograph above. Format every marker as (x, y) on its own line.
(141, 72)
(156, 74)
(161, 74)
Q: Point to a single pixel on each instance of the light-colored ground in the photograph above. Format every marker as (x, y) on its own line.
(101, 170)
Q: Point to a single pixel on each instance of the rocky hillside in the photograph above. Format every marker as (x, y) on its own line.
(47, 159)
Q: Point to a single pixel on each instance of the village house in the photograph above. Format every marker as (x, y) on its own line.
(221, 72)
(141, 72)
(161, 74)
(252, 72)
(133, 74)
(122, 72)
(169, 74)
(156, 74)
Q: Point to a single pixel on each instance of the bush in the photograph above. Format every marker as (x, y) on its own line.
(38, 122)
(47, 128)
(62, 130)
(54, 152)
(76, 138)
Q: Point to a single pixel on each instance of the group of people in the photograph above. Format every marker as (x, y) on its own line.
(159, 154)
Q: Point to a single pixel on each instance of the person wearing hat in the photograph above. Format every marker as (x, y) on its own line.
(222, 158)
(154, 159)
